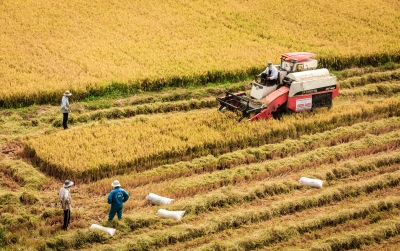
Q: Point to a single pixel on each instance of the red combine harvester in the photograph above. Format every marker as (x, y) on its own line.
(300, 86)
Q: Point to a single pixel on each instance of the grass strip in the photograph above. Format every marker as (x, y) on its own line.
(127, 112)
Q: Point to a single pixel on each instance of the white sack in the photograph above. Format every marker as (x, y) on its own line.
(109, 230)
(158, 200)
(176, 215)
(310, 182)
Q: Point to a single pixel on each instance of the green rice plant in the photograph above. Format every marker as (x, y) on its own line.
(116, 113)
(97, 105)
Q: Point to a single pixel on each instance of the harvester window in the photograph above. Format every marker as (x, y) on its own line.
(286, 64)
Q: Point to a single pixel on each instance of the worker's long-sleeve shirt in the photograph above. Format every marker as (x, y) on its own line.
(65, 105)
(117, 197)
(65, 198)
(272, 72)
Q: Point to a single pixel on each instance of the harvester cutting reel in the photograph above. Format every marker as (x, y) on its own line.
(239, 102)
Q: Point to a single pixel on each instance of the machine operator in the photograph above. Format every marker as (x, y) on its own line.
(269, 75)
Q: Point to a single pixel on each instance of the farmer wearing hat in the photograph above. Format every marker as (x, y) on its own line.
(269, 75)
(116, 198)
(65, 108)
(65, 199)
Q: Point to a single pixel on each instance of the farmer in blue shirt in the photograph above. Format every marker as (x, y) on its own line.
(116, 198)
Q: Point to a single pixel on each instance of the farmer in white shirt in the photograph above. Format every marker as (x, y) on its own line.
(65, 198)
(269, 75)
(65, 109)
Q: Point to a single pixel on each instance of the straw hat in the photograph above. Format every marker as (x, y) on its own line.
(68, 183)
(115, 183)
(67, 93)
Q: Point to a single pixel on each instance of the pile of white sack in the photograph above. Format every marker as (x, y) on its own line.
(160, 200)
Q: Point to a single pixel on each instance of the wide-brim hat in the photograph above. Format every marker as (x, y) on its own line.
(115, 183)
(68, 183)
(67, 93)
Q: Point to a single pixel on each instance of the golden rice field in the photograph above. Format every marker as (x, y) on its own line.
(100, 47)
(236, 182)
(145, 75)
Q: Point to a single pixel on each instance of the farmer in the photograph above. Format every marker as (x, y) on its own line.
(65, 109)
(116, 198)
(65, 199)
(269, 75)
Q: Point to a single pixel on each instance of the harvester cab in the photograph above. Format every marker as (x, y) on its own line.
(297, 61)
(290, 62)
(300, 86)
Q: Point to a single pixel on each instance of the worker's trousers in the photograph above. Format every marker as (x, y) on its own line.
(113, 211)
(65, 120)
(67, 217)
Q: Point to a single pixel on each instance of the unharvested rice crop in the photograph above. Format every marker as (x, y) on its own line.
(98, 47)
(94, 152)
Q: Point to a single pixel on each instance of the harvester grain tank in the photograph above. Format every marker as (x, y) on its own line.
(300, 87)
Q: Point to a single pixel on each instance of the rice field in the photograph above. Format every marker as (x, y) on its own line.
(123, 46)
(145, 76)
(236, 182)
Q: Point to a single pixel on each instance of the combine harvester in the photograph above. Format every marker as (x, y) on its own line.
(300, 86)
